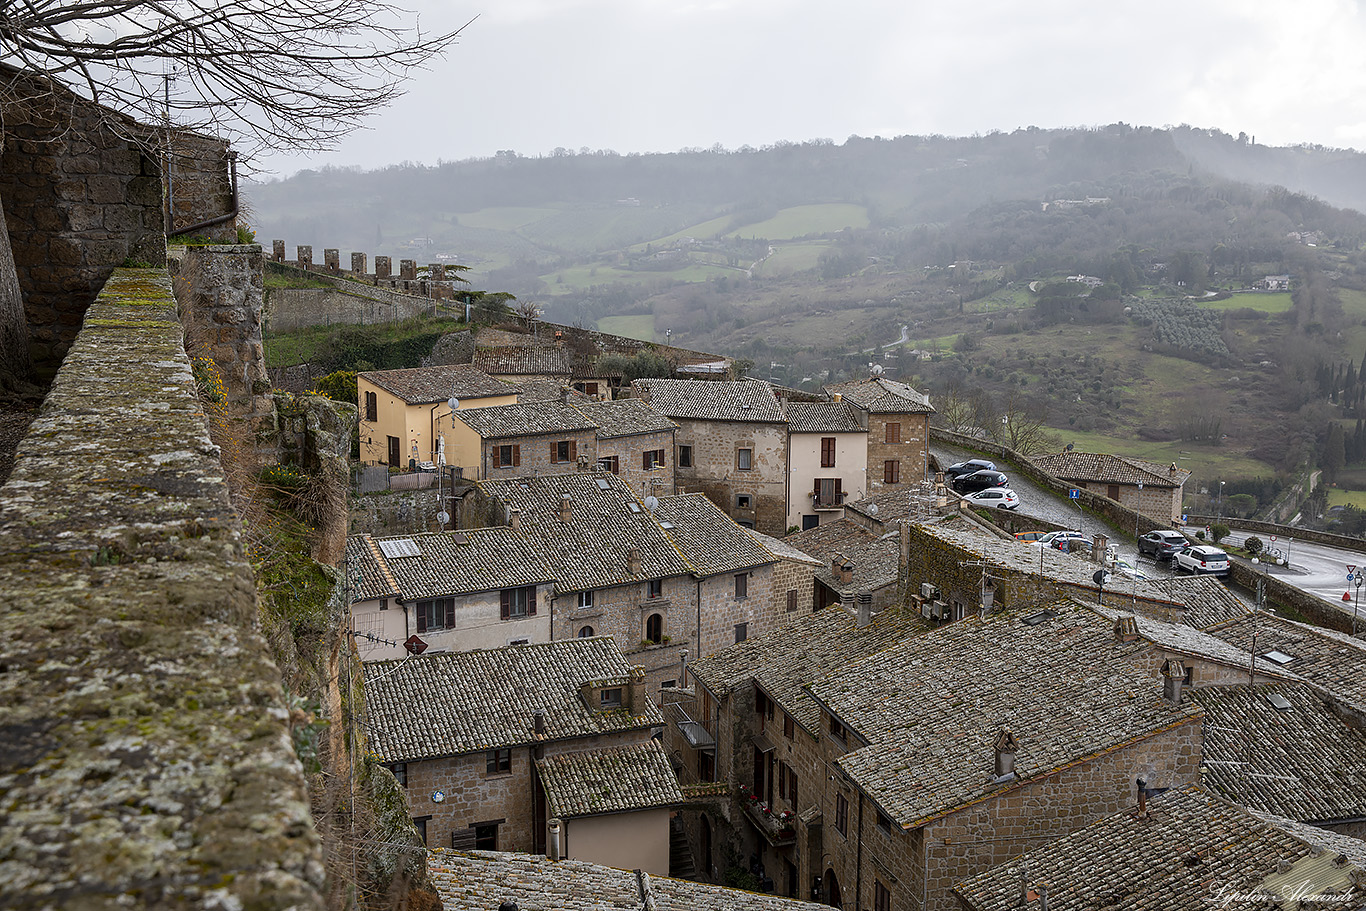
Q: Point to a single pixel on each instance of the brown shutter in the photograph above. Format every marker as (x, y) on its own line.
(573, 450)
(817, 491)
(421, 618)
(450, 613)
(554, 453)
(463, 840)
(792, 600)
(504, 607)
(839, 492)
(516, 454)
(645, 461)
(531, 601)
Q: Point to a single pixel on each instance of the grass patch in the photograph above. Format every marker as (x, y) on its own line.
(799, 221)
(641, 326)
(1275, 302)
(790, 259)
(289, 281)
(706, 230)
(504, 218)
(301, 346)
(1339, 497)
(1203, 461)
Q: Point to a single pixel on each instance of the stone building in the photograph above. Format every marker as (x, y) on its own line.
(876, 767)
(732, 445)
(525, 439)
(1185, 850)
(453, 591)
(853, 560)
(404, 413)
(484, 741)
(898, 422)
(635, 443)
(513, 362)
(1149, 488)
(827, 461)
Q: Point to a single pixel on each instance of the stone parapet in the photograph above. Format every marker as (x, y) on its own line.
(148, 754)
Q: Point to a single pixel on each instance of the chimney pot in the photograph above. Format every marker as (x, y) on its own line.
(633, 561)
(846, 572)
(552, 845)
(1099, 544)
(566, 507)
(538, 722)
(847, 602)
(1126, 628)
(865, 609)
(515, 519)
(1173, 677)
(1005, 747)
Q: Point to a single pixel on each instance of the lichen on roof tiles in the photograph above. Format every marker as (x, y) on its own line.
(609, 780)
(429, 385)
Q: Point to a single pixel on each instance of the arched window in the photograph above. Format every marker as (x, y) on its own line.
(654, 628)
(585, 632)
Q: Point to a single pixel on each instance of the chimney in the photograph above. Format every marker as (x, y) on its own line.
(846, 572)
(566, 507)
(835, 562)
(637, 690)
(865, 608)
(839, 396)
(1126, 628)
(552, 842)
(1005, 746)
(538, 724)
(633, 561)
(847, 603)
(559, 338)
(1173, 677)
(1099, 544)
(515, 519)
(1142, 797)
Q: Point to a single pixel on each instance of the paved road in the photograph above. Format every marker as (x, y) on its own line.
(1314, 568)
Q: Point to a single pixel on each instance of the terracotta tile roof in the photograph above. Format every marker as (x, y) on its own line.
(427, 706)
(1301, 761)
(882, 396)
(783, 550)
(624, 418)
(930, 707)
(429, 385)
(1102, 468)
(822, 417)
(590, 551)
(1332, 660)
(1189, 850)
(893, 505)
(709, 539)
(876, 559)
(370, 577)
(498, 422)
(712, 400)
(547, 389)
(450, 563)
(614, 780)
(1178, 637)
(483, 880)
(1207, 600)
(522, 359)
(808, 648)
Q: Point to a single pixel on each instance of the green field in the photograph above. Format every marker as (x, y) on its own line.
(1277, 302)
(799, 221)
(704, 231)
(504, 218)
(1202, 461)
(790, 259)
(1339, 497)
(641, 326)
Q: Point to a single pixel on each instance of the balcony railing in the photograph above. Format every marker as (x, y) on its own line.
(779, 827)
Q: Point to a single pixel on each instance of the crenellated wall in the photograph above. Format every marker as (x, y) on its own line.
(147, 752)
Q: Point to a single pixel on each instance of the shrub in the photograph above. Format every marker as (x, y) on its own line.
(1253, 545)
(1219, 532)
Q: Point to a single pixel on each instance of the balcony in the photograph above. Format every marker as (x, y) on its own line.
(779, 828)
(828, 501)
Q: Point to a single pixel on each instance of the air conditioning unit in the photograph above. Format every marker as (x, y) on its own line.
(927, 610)
(939, 610)
(929, 591)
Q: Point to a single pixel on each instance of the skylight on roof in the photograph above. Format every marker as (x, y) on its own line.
(399, 547)
(1279, 702)
(602, 484)
(666, 525)
(635, 507)
(1279, 657)
(1041, 616)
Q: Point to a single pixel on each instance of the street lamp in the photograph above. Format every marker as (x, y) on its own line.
(1357, 606)
(1221, 500)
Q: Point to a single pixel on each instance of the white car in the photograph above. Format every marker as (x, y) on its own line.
(1202, 558)
(1051, 539)
(1000, 497)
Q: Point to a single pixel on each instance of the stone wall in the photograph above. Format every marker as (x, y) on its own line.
(621, 612)
(201, 182)
(714, 470)
(147, 741)
(80, 197)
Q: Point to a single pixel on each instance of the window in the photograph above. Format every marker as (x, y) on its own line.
(499, 761)
(741, 632)
(827, 452)
(654, 628)
(519, 642)
(610, 698)
(741, 586)
(564, 451)
(509, 456)
(884, 822)
(828, 492)
(706, 766)
(792, 601)
(891, 471)
(744, 459)
(400, 770)
(610, 463)
(652, 459)
(516, 603)
(893, 432)
(836, 729)
(654, 588)
(434, 615)
(685, 457)
(792, 788)
(743, 501)
(383, 603)
(585, 600)
(393, 452)
(585, 632)
(420, 823)
(371, 406)
(763, 705)
(882, 897)
(789, 726)
(841, 814)
(486, 837)
(590, 388)
(1112, 491)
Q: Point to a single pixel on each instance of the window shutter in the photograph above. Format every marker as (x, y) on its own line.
(450, 613)
(839, 492)
(792, 600)
(421, 618)
(645, 461)
(462, 840)
(504, 604)
(531, 601)
(573, 450)
(516, 454)
(554, 453)
(818, 489)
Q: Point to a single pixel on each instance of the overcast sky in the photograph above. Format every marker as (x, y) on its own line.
(661, 75)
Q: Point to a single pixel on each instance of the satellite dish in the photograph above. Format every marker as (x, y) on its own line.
(872, 509)
(1100, 577)
(453, 402)
(877, 370)
(443, 517)
(651, 502)
(1068, 447)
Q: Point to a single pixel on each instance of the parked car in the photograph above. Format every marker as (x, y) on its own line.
(999, 497)
(980, 480)
(1050, 539)
(1202, 558)
(1128, 567)
(1162, 544)
(958, 469)
(1029, 537)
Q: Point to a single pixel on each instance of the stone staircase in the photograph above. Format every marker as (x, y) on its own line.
(681, 864)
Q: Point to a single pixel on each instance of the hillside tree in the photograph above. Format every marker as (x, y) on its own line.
(263, 74)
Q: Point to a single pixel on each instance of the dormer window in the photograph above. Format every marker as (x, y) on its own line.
(611, 698)
(837, 730)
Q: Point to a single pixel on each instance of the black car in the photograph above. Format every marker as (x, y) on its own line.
(1162, 544)
(980, 480)
(958, 469)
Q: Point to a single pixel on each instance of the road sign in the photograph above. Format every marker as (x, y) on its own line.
(1350, 577)
(1351, 568)
(1273, 538)
(1074, 494)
